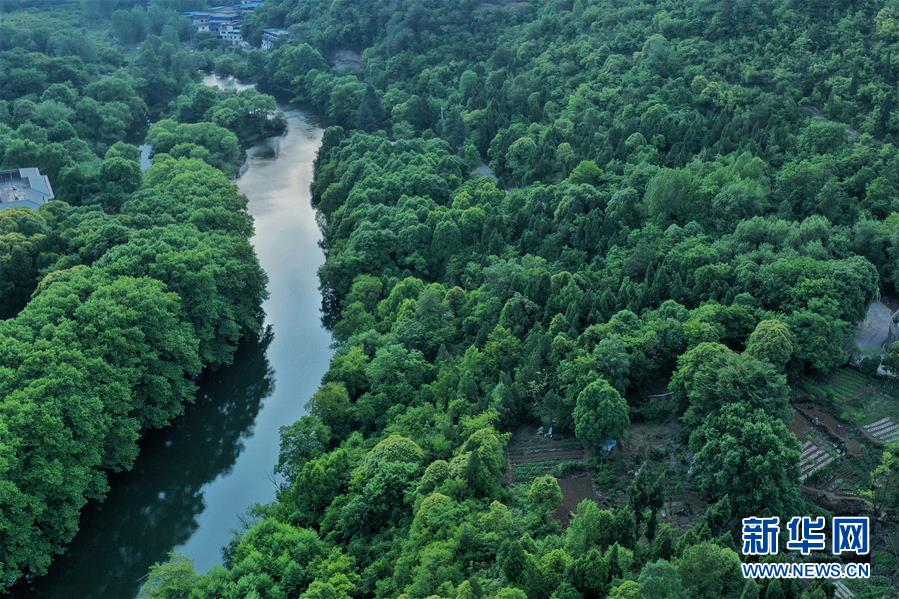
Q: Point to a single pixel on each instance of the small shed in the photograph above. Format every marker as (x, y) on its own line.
(609, 445)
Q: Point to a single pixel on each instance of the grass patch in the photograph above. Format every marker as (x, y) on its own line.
(528, 472)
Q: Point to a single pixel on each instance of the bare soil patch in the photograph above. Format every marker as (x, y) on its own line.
(575, 489)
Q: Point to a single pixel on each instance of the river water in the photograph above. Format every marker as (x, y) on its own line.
(194, 480)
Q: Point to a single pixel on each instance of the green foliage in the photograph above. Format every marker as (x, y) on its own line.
(172, 579)
(302, 442)
(884, 491)
(112, 336)
(545, 495)
(750, 456)
(67, 98)
(771, 340)
(711, 377)
(600, 413)
(660, 580)
(591, 527)
(23, 247)
(115, 300)
(249, 114)
(659, 211)
(709, 571)
(590, 573)
(628, 589)
(207, 141)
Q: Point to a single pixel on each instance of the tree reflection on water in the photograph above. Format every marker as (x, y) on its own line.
(153, 508)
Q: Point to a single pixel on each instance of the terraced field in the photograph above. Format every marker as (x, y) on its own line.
(813, 459)
(885, 430)
(854, 396)
(532, 455)
(845, 384)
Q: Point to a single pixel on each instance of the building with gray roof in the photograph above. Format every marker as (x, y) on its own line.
(24, 188)
(272, 36)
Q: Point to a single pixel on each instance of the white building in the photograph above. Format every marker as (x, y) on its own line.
(24, 188)
(272, 37)
(224, 21)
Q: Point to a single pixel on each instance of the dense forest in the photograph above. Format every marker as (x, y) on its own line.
(118, 296)
(535, 213)
(692, 195)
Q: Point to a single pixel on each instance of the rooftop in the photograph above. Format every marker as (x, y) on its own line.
(24, 188)
(216, 11)
(225, 11)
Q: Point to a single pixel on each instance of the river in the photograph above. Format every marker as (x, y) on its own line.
(194, 480)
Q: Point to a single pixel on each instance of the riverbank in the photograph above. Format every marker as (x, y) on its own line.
(194, 480)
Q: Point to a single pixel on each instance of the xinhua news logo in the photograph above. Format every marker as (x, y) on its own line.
(806, 535)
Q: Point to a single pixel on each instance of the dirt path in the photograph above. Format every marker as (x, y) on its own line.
(831, 425)
(838, 502)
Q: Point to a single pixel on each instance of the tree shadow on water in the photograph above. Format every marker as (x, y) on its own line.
(153, 508)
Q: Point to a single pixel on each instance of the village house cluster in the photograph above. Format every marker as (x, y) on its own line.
(227, 23)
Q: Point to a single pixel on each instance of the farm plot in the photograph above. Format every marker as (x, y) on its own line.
(855, 397)
(844, 384)
(840, 421)
(885, 430)
(841, 591)
(813, 459)
(818, 451)
(531, 455)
